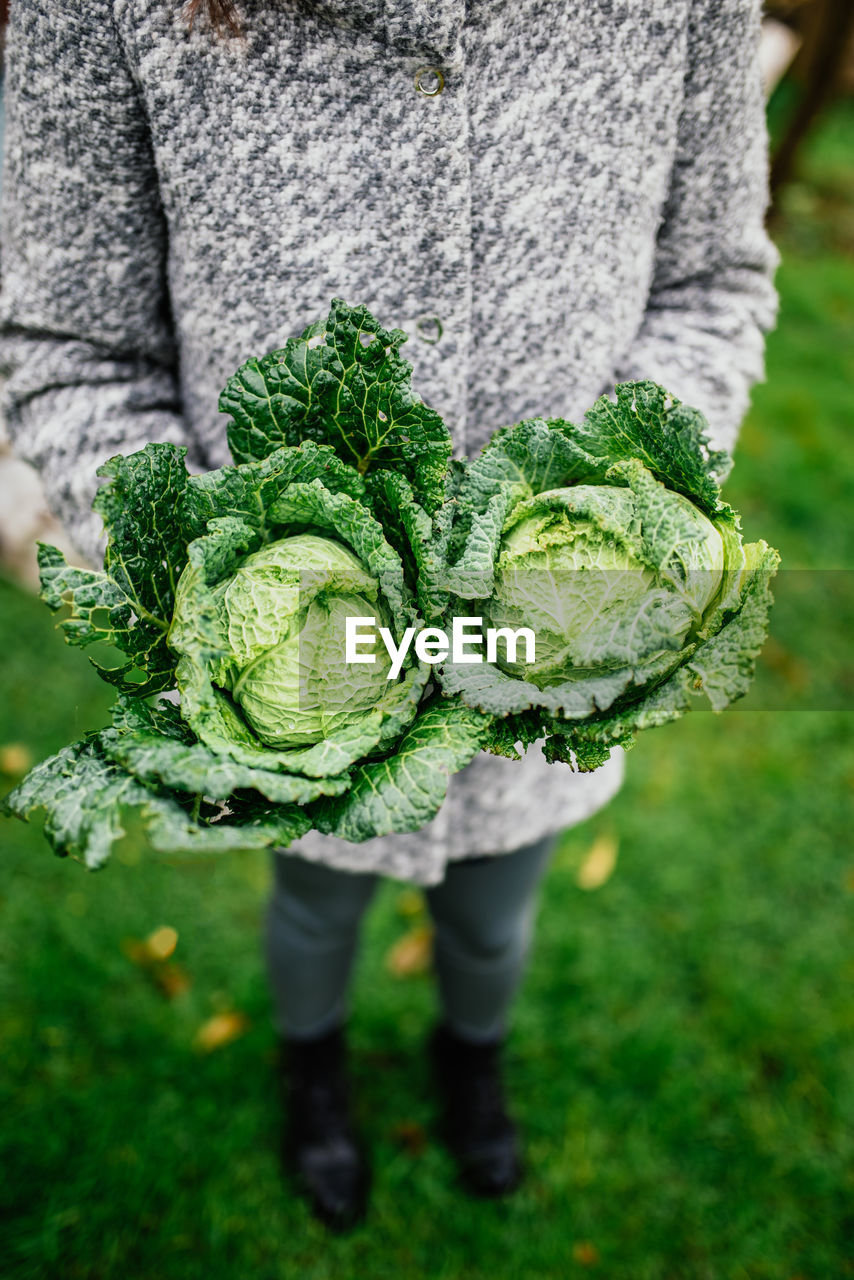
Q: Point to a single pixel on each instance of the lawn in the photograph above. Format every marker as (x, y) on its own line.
(682, 1053)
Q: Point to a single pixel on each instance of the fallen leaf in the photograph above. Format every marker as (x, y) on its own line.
(219, 1030)
(162, 942)
(599, 862)
(585, 1253)
(411, 1136)
(412, 953)
(158, 946)
(15, 759)
(151, 956)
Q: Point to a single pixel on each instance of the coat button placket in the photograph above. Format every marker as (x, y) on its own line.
(442, 313)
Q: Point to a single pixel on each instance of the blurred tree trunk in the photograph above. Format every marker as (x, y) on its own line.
(827, 37)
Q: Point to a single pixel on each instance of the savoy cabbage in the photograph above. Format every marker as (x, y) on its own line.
(238, 721)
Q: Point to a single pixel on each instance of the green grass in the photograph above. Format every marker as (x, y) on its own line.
(682, 1053)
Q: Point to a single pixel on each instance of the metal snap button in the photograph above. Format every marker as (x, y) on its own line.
(429, 328)
(429, 81)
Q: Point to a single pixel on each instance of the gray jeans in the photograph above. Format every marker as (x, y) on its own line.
(483, 914)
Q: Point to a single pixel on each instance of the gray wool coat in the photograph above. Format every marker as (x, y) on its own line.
(547, 197)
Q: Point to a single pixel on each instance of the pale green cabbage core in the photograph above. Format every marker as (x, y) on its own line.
(285, 611)
(574, 572)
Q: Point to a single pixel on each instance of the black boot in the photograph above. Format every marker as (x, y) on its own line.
(475, 1123)
(320, 1148)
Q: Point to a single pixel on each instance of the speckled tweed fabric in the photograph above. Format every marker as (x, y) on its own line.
(581, 203)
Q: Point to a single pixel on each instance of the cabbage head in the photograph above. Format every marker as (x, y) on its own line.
(282, 616)
(566, 570)
(258, 624)
(610, 541)
(220, 615)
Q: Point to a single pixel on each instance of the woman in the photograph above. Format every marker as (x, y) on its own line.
(550, 198)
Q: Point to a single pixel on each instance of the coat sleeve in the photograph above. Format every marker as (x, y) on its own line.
(86, 344)
(712, 297)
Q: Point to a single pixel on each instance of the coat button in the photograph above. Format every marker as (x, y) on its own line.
(429, 81)
(429, 328)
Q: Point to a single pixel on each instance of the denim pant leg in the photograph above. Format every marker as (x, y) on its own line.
(484, 913)
(312, 929)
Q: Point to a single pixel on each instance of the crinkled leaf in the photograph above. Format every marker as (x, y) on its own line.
(98, 609)
(583, 757)
(345, 518)
(517, 463)
(142, 505)
(406, 790)
(668, 437)
(529, 457)
(731, 589)
(721, 667)
(511, 735)
(218, 724)
(667, 528)
(274, 401)
(198, 626)
(537, 455)
(151, 743)
(472, 575)
(410, 531)
(344, 384)
(83, 796)
(725, 664)
(246, 492)
(494, 692)
(129, 603)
